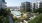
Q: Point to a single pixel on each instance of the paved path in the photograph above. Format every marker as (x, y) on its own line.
(10, 19)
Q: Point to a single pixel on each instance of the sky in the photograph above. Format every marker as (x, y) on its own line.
(16, 2)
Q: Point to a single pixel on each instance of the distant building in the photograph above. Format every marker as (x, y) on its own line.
(40, 4)
(33, 6)
(2, 4)
(37, 3)
(25, 5)
(14, 8)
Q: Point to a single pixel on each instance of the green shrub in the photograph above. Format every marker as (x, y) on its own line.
(38, 19)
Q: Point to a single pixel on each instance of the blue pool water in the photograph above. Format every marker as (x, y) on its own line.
(16, 12)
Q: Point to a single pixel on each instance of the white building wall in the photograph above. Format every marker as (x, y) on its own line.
(38, 3)
(32, 6)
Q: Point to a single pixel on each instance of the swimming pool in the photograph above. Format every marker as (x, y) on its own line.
(17, 13)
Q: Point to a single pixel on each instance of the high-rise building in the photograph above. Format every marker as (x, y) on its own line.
(25, 5)
(33, 6)
(2, 4)
(40, 4)
(37, 4)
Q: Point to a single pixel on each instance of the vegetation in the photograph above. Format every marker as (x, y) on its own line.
(37, 10)
(22, 9)
(38, 19)
(40, 10)
(3, 15)
(4, 20)
(29, 9)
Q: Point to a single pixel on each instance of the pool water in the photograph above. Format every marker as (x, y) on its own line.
(16, 12)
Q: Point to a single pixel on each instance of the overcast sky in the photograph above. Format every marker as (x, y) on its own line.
(17, 2)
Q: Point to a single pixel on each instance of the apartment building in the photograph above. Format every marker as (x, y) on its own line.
(40, 4)
(25, 5)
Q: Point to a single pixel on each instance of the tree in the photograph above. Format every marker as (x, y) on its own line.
(29, 9)
(37, 10)
(38, 19)
(22, 9)
(7, 11)
(40, 10)
(3, 15)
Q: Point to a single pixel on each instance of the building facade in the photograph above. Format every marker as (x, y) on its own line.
(33, 6)
(2, 4)
(25, 5)
(40, 5)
